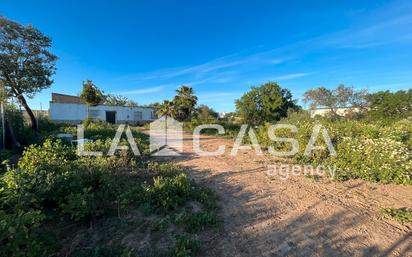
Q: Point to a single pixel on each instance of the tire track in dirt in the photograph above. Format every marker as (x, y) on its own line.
(299, 216)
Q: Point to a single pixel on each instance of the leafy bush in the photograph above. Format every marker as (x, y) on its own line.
(80, 205)
(18, 235)
(231, 129)
(387, 160)
(389, 106)
(371, 151)
(52, 184)
(168, 193)
(403, 215)
(52, 179)
(198, 221)
(186, 247)
(51, 155)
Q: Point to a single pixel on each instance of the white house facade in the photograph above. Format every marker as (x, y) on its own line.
(341, 111)
(68, 109)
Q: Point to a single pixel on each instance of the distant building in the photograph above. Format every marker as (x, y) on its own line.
(222, 114)
(71, 109)
(341, 111)
(37, 114)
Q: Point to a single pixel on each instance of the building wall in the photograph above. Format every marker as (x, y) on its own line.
(75, 113)
(339, 111)
(61, 98)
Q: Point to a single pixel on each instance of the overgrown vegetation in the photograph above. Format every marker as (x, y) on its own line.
(370, 143)
(57, 203)
(390, 105)
(402, 215)
(53, 188)
(18, 134)
(370, 151)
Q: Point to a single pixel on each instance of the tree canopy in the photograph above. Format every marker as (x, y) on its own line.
(204, 112)
(166, 109)
(91, 94)
(266, 103)
(385, 104)
(184, 103)
(26, 65)
(118, 100)
(342, 96)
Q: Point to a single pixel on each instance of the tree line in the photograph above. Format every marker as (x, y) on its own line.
(92, 96)
(27, 67)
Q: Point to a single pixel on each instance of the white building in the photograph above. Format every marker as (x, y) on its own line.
(341, 111)
(222, 114)
(70, 109)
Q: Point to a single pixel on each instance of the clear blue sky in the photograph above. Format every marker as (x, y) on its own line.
(144, 50)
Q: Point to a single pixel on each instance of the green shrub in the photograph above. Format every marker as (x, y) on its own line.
(168, 193)
(380, 159)
(53, 185)
(371, 151)
(231, 129)
(59, 185)
(18, 236)
(198, 221)
(5, 155)
(186, 247)
(50, 155)
(81, 205)
(403, 215)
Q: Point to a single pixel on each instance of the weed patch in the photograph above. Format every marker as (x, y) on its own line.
(402, 215)
(54, 188)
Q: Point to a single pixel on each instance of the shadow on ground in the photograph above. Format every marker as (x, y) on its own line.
(251, 229)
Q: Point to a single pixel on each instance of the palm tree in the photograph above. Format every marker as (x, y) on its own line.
(185, 91)
(166, 109)
(184, 101)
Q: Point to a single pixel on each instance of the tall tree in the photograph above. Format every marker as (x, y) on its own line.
(91, 94)
(26, 65)
(266, 103)
(333, 99)
(184, 103)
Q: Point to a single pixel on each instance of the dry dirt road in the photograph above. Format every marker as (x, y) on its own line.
(300, 216)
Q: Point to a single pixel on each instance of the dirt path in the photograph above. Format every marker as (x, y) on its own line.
(299, 216)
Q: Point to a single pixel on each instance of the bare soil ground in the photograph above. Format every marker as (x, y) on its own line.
(300, 216)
